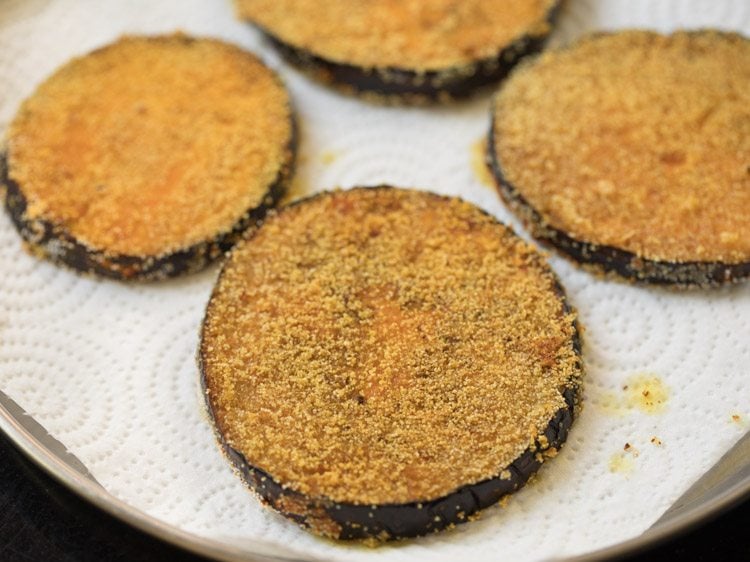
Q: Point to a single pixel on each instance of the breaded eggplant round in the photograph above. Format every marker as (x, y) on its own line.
(147, 158)
(629, 152)
(383, 363)
(411, 51)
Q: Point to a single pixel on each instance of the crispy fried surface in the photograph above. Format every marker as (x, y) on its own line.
(636, 140)
(151, 145)
(412, 34)
(385, 346)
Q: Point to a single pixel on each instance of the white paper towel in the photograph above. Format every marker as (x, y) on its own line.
(110, 368)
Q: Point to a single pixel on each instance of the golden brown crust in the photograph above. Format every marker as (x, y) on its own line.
(635, 141)
(410, 34)
(383, 346)
(151, 145)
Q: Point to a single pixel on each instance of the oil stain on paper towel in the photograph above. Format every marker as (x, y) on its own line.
(645, 392)
(329, 157)
(479, 164)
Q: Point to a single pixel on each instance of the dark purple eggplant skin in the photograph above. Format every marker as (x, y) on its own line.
(388, 522)
(411, 86)
(55, 243)
(611, 260)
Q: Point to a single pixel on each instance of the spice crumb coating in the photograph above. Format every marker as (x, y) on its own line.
(384, 346)
(636, 141)
(151, 145)
(413, 34)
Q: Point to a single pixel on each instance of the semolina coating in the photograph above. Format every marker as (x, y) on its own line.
(152, 144)
(384, 346)
(420, 35)
(635, 140)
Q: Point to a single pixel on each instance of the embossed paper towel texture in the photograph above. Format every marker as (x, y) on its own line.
(110, 368)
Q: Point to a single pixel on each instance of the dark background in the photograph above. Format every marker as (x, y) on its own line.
(42, 521)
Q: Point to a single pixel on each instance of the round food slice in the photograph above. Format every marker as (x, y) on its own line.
(147, 158)
(383, 363)
(412, 50)
(630, 153)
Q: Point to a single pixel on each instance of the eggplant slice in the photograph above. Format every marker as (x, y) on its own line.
(629, 152)
(404, 51)
(383, 363)
(148, 158)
